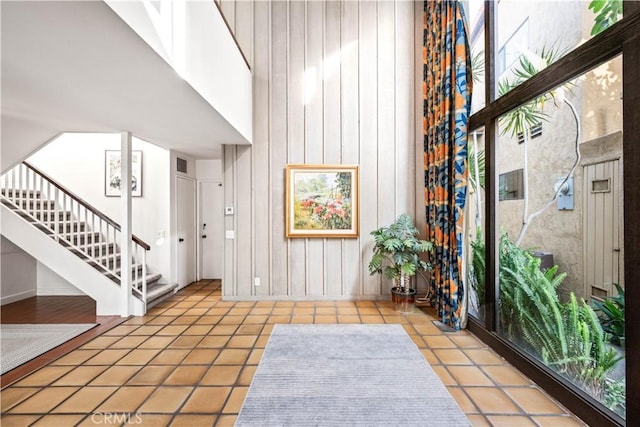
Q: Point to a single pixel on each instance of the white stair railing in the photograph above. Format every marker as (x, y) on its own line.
(72, 222)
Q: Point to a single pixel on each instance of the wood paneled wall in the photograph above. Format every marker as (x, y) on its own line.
(334, 82)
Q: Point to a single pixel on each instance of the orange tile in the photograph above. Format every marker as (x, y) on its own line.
(326, 319)
(510, 421)
(255, 356)
(255, 319)
(198, 330)
(201, 356)
(166, 399)
(558, 421)
(85, 400)
(533, 401)
(469, 375)
(231, 320)
(452, 356)
(138, 357)
(81, 375)
(223, 330)
(121, 330)
(249, 330)
(484, 357)
(242, 341)
(278, 319)
(221, 375)
(261, 311)
(173, 330)
(186, 341)
(431, 358)
(427, 329)
(169, 357)
(491, 400)
(76, 357)
(157, 342)
(115, 375)
(214, 341)
(438, 341)
(463, 400)
(304, 310)
(181, 420)
(52, 420)
(45, 376)
(282, 311)
(444, 375)
(186, 375)
(478, 420)
(18, 420)
(11, 396)
(302, 319)
(206, 400)
(326, 310)
(235, 400)
(239, 311)
(125, 399)
(147, 330)
(246, 376)
(209, 320)
(368, 319)
(467, 341)
(129, 342)
(348, 318)
(232, 356)
(151, 375)
(43, 401)
(107, 357)
(418, 341)
(504, 375)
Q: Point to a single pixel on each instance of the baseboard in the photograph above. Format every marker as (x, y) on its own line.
(18, 297)
(60, 291)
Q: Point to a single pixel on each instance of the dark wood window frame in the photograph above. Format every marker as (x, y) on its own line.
(621, 38)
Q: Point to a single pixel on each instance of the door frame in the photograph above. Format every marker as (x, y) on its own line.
(199, 221)
(195, 224)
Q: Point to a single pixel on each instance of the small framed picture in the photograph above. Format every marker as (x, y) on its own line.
(112, 169)
(321, 201)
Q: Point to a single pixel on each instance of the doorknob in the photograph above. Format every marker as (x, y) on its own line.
(204, 236)
(180, 240)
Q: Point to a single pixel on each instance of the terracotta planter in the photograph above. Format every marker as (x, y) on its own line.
(403, 298)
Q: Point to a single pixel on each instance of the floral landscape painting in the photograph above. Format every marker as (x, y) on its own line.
(322, 201)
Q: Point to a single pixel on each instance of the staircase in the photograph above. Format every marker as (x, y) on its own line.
(79, 229)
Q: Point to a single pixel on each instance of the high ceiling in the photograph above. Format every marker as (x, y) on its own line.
(76, 66)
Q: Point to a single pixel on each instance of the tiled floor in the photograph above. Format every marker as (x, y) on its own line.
(190, 361)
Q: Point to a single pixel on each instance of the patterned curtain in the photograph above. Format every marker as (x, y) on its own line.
(447, 102)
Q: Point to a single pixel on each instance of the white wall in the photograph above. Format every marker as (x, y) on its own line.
(77, 161)
(210, 169)
(50, 283)
(335, 82)
(18, 273)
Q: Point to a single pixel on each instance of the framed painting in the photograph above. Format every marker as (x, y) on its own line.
(112, 173)
(321, 201)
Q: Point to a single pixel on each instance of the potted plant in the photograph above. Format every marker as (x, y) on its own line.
(396, 254)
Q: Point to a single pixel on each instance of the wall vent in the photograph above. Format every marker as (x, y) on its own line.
(181, 165)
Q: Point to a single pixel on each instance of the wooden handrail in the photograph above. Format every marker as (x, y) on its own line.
(88, 206)
(224, 18)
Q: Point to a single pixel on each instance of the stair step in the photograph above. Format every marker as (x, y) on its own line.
(12, 193)
(45, 216)
(97, 249)
(63, 227)
(35, 204)
(159, 292)
(83, 238)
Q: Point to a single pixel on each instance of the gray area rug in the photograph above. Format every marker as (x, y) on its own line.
(21, 343)
(346, 375)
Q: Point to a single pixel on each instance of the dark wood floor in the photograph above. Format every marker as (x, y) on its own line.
(54, 309)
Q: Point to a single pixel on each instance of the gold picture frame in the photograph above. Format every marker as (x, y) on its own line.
(322, 201)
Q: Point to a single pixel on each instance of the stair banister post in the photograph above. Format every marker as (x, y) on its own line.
(125, 231)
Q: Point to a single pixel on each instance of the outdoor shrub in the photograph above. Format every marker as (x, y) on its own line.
(612, 318)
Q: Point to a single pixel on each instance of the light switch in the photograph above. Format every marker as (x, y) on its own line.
(228, 210)
(230, 234)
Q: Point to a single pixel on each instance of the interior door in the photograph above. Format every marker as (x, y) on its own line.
(601, 228)
(211, 229)
(186, 195)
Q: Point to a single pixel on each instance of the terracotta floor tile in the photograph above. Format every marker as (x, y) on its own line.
(262, 341)
(348, 318)
(201, 356)
(186, 341)
(80, 376)
(235, 400)
(151, 375)
(444, 375)
(115, 375)
(11, 396)
(125, 399)
(245, 304)
(175, 312)
(157, 342)
(221, 375)
(557, 421)
(505, 375)
(129, 342)
(510, 421)
(282, 311)
(246, 376)
(369, 319)
(242, 341)
(278, 319)
(438, 341)
(85, 400)
(427, 329)
(255, 319)
(198, 330)
(463, 400)
(467, 341)
(206, 400)
(326, 310)
(161, 320)
(469, 375)
(255, 356)
(138, 356)
(483, 357)
(186, 375)
(17, 420)
(43, 401)
(107, 357)
(55, 420)
(209, 320)
(232, 356)
(431, 358)
(368, 311)
(348, 310)
(218, 311)
(166, 399)
(239, 311)
(491, 400)
(223, 330)
(451, 356)
(304, 310)
(261, 311)
(326, 319)
(44, 376)
(302, 319)
(418, 341)
(283, 304)
(193, 421)
(533, 401)
(214, 341)
(147, 330)
(121, 330)
(169, 357)
(231, 320)
(172, 330)
(76, 357)
(249, 330)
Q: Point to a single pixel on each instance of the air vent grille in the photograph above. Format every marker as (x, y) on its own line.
(181, 165)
